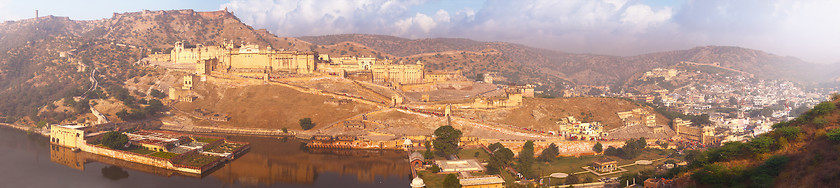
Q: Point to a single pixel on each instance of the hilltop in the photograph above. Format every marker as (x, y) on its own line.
(592, 69)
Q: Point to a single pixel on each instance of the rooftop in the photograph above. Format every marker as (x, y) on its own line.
(467, 165)
(72, 126)
(482, 180)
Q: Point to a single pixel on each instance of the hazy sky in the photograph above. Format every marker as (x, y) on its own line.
(807, 29)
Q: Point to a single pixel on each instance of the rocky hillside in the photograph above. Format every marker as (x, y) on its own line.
(798, 153)
(590, 69)
(45, 59)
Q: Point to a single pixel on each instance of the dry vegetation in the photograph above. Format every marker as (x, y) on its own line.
(270, 106)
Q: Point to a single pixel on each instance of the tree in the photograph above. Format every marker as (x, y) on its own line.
(285, 130)
(499, 160)
(157, 94)
(598, 147)
(154, 107)
(306, 123)
(114, 139)
(493, 147)
(428, 155)
(451, 181)
(549, 154)
(479, 77)
(446, 140)
(526, 159)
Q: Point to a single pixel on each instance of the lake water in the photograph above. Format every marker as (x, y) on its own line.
(30, 161)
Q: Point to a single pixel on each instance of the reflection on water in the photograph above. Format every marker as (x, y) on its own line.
(274, 161)
(114, 173)
(270, 162)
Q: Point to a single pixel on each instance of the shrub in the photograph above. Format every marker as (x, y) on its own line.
(833, 135)
(598, 148)
(760, 145)
(306, 123)
(434, 169)
(790, 132)
(822, 108)
(820, 122)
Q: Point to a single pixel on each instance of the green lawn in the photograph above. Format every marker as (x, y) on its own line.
(573, 164)
(205, 139)
(431, 179)
(197, 160)
(139, 150)
(470, 154)
(163, 154)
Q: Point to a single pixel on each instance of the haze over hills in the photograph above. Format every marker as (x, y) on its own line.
(592, 69)
(160, 29)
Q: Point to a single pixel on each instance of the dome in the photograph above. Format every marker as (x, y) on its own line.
(417, 182)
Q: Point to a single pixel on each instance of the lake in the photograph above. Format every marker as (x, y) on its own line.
(30, 161)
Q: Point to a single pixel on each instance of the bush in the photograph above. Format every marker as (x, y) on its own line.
(790, 132)
(833, 135)
(820, 122)
(822, 108)
(598, 148)
(306, 123)
(434, 168)
(760, 145)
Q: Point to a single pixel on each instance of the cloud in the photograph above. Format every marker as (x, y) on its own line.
(6, 11)
(642, 16)
(803, 28)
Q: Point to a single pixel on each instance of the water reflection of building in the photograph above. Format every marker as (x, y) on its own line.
(279, 162)
(66, 157)
(77, 160)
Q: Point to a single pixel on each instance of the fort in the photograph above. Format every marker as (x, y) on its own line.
(246, 59)
(173, 151)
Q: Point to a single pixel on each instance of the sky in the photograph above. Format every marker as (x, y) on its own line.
(807, 29)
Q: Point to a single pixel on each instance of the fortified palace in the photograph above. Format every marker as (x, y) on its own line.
(247, 58)
(252, 61)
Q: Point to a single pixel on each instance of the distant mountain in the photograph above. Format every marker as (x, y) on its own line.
(590, 69)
